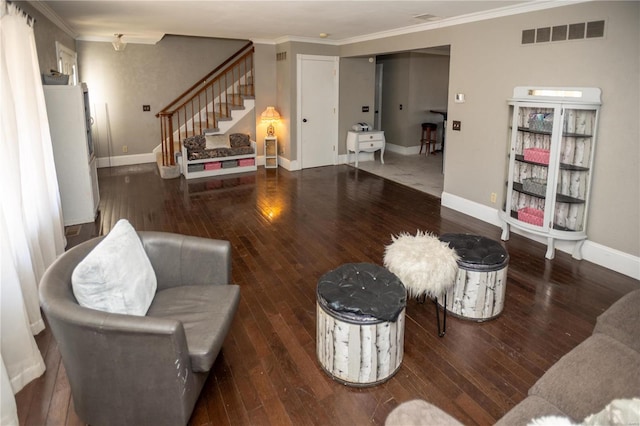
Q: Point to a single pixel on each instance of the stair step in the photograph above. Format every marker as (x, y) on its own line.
(231, 106)
(246, 90)
(236, 100)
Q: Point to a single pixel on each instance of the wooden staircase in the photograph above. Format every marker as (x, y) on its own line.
(203, 107)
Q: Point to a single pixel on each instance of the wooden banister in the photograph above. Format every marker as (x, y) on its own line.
(206, 77)
(204, 103)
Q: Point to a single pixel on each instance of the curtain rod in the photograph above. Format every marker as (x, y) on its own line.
(5, 9)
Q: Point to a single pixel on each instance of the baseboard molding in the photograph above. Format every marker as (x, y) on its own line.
(126, 160)
(471, 208)
(402, 150)
(287, 164)
(599, 254)
(406, 150)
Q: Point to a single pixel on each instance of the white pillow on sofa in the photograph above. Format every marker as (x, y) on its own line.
(216, 141)
(116, 276)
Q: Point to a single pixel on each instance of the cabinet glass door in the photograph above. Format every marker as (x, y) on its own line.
(574, 171)
(532, 149)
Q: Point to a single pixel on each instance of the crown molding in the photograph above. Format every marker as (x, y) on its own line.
(314, 40)
(465, 19)
(262, 41)
(148, 38)
(53, 17)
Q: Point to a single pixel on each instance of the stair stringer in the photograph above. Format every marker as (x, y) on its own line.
(223, 125)
(236, 115)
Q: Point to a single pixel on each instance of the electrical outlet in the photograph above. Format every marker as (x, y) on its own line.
(125, 148)
(457, 125)
(494, 197)
(146, 108)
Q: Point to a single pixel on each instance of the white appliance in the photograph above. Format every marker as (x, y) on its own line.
(361, 127)
(70, 126)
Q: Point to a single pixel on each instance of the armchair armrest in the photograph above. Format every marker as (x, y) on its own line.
(186, 260)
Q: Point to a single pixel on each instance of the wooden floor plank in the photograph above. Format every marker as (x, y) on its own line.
(289, 228)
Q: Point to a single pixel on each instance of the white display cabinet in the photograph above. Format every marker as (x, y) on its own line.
(552, 147)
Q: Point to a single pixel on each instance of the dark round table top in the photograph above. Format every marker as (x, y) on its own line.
(362, 293)
(477, 253)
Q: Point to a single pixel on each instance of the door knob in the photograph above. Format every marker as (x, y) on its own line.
(304, 120)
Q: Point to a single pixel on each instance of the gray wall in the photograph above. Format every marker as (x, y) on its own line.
(265, 88)
(357, 76)
(121, 82)
(46, 34)
(488, 61)
(419, 82)
(395, 92)
(429, 84)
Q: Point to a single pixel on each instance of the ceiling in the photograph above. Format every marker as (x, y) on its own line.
(147, 21)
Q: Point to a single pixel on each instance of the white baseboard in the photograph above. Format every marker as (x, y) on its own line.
(402, 150)
(471, 208)
(288, 164)
(126, 160)
(406, 150)
(599, 254)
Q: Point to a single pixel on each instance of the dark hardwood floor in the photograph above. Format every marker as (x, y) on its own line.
(289, 228)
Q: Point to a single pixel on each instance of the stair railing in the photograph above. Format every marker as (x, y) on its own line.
(201, 106)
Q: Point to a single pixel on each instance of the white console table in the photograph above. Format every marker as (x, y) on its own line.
(370, 141)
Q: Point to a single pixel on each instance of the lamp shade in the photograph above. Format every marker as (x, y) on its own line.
(270, 114)
(118, 44)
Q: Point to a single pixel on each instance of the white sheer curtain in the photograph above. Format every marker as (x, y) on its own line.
(31, 229)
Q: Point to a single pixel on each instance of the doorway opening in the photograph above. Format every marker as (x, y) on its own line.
(410, 86)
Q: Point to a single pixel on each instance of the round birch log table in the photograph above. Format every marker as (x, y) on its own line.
(479, 290)
(360, 324)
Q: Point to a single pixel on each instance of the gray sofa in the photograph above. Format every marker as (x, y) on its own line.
(605, 367)
(145, 370)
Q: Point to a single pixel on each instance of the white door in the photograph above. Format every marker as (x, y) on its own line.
(317, 110)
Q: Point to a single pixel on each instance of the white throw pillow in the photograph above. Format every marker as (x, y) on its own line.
(216, 141)
(116, 276)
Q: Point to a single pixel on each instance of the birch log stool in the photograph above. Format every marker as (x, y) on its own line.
(426, 266)
(360, 324)
(479, 291)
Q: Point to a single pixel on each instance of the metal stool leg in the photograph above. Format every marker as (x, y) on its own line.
(423, 297)
(444, 322)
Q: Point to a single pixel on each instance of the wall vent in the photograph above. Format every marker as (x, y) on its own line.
(281, 56)
(595, 29)
(559, 33)
(577, 31)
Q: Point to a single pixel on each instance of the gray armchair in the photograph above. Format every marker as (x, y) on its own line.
(132, 370)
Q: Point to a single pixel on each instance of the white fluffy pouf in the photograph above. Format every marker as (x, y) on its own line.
(424, 264)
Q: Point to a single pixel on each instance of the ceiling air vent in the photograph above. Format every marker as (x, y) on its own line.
(577, 31)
